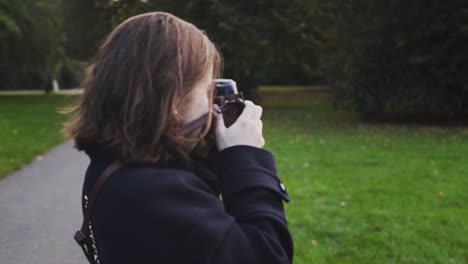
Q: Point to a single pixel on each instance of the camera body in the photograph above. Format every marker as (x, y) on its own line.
(229, 100)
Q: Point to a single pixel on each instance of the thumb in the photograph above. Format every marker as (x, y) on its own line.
(220, 127)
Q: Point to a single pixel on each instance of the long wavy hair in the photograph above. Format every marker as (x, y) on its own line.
(143, 74)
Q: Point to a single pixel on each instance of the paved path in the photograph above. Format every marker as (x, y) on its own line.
(40, 209)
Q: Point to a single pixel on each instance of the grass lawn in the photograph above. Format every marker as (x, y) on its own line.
(366, 193)
(29, 126)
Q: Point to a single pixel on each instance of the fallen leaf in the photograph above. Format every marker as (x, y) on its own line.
(314, 243)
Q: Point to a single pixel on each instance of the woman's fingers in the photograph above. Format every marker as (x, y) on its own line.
(249, 110)
(258, 112)
(246, 130)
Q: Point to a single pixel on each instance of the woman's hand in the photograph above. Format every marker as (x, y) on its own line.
(246, 130)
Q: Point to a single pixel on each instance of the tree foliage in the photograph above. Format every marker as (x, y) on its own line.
(399, 58)
(31, 38)
(260, 40)
(390, 57)
(87, 22)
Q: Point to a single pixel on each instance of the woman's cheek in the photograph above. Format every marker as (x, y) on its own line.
(203, 105)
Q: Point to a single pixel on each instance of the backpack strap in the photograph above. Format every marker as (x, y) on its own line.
(82, 236)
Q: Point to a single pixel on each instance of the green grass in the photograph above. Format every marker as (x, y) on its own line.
(29, 126)
(363, 193)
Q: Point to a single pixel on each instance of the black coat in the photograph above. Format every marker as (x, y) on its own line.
(172, 213)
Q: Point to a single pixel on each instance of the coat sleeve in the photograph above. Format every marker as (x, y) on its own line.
(252, 194)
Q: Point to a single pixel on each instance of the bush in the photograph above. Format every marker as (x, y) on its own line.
(399, 58)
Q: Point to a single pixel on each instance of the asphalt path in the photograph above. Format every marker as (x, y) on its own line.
(40, 209)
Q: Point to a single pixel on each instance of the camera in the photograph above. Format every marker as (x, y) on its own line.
(226, 101)
(229, 101)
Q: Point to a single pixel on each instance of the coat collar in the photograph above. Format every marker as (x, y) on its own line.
(197, 165)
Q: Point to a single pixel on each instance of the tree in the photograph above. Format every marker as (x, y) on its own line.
(87, 22)
(31, 40)
(399, 58)
(258, 39)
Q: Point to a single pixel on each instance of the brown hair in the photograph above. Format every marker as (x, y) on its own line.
(144, 72)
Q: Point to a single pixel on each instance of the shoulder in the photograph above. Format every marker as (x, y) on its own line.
(151, 194)
(139, 182)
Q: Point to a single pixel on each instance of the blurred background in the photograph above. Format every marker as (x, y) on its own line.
(365, 108)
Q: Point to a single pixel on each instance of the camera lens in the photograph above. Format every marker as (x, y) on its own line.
(225, 87)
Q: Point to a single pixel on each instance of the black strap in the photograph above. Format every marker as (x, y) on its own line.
(201, 121)
(82, 236)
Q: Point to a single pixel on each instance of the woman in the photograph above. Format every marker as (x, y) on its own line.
(152, 75)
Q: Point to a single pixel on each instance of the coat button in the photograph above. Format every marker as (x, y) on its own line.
(282, 187)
